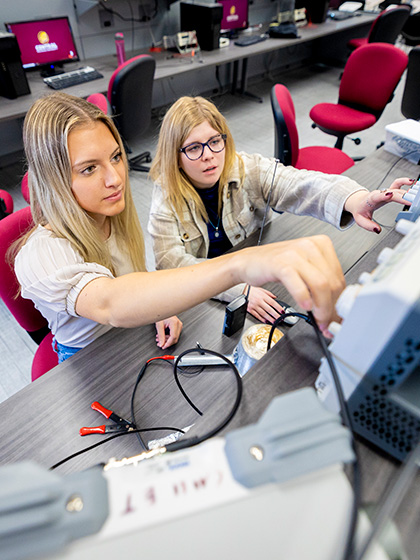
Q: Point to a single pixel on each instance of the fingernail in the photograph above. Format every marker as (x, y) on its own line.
(388, 194)
(376, 230)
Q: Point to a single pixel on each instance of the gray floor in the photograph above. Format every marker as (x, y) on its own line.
(252, 127)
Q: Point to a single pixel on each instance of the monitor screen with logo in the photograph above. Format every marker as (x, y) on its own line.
(235, 14)
(44, 43)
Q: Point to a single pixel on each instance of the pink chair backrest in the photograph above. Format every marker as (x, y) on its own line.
(8, 200)
(24, 187)
(11, 228)
(99, 100)
(371, 75)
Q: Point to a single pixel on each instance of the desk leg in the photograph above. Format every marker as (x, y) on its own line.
(242, 90)
(234, 77)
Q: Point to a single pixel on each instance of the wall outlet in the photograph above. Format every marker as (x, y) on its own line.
(106, 19)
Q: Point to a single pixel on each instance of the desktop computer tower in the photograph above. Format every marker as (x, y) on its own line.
(13, 82)
(205, 20)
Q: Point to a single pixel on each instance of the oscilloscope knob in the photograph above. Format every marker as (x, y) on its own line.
(404, 226)
(385, 255)
(346, 300)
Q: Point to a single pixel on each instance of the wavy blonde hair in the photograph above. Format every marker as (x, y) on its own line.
(45, 134)
(184, 115)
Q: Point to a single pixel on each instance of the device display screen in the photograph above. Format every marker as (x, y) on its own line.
(44, 42)
(235, 14)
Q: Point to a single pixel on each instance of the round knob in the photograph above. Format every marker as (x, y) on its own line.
(365, 277)
(334, 328)
(346, 300)
(385, 255)
(404, 226)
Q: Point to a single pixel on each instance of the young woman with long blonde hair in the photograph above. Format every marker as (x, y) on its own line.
(207, 197)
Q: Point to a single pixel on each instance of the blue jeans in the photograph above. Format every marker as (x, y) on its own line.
(63, 352)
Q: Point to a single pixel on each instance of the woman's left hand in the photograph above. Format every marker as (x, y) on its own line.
(168, 332)
(362, 204)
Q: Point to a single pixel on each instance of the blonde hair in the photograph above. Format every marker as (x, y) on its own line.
(45, 134)
(184, 115)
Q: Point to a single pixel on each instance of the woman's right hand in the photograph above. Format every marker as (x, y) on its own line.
(307, 267)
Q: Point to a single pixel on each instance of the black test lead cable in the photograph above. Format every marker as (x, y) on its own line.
(182, 444)
(99, 443)
(309, 318)
(192, 441)
(166, 359)
(349, 551)
(391, 500)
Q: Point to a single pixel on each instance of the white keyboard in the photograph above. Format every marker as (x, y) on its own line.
(73, 78)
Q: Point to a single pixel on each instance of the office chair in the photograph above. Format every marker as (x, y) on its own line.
(316, 158)
(411, 30)
(386, 27)
(24, 188)
(23, 310)
(6, 202)
(130, 101)
(370, 77)
(410, 103)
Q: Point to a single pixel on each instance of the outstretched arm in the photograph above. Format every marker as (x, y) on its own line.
(307, 267)
(362, 204)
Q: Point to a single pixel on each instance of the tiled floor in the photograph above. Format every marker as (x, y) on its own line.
(252, 126)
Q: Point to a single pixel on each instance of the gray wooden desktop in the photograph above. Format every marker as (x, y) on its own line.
(42, 421)
(167, 67)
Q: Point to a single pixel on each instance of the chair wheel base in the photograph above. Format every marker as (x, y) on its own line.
(136, 162)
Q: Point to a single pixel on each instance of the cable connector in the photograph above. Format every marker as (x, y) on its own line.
(200, 360)
(167, 357)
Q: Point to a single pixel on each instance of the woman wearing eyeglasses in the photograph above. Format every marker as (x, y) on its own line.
(83, 262)
(207, 197)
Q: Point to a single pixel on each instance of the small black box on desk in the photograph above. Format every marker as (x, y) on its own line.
(205, 19)
(13, 82)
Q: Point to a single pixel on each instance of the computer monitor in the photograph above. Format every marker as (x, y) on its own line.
(235, 15)
(45, 43)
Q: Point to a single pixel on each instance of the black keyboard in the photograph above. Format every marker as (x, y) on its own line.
(339, 16)
(73, 78)
(247, 40)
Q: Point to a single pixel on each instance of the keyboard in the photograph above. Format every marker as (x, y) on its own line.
(247, 40)
(73, 78)
(339, 16)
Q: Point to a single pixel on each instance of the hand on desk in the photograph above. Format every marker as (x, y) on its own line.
(262, 304)
(168, 332)
(362, 204)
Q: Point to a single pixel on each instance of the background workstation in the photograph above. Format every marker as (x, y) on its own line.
(252, 128)
(94, 30)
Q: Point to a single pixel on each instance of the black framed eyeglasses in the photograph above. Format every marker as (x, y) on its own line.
(195, 150)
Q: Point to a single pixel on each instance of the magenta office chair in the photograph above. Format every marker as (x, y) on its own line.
(29, 318)
(130, 101)
(316, 158)
(386, 27)
(6, 202)
(370, 77)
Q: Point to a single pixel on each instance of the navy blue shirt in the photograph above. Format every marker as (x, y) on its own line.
(219, 242)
